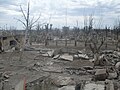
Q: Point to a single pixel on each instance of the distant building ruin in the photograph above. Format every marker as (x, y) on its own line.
(12, 41)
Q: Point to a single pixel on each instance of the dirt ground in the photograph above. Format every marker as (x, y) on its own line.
(17, 68)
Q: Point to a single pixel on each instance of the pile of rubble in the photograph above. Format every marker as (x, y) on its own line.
(67, 69)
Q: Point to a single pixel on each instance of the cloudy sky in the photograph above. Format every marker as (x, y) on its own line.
(105, 12)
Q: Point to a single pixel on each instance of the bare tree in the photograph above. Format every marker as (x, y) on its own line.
(116, 34)
(28, 24)
(88, 25)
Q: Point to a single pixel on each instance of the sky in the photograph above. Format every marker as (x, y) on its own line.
(58, 12)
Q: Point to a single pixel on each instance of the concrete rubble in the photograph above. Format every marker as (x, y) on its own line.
(101, 74)
(60, 69)
(63, 81)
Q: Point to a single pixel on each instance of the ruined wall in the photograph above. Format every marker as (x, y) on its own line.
(6, 41)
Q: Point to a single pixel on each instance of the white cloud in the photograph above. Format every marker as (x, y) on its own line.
(108, 9)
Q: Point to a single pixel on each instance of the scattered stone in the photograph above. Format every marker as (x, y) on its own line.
(83, 56)
(112, 73)
(52, 69)
(94, 86)
(88, 67)
(66, 57)
(63, 81)
(6, 76)
(101, 74)
(56, 56)
(45, 55)
(37, 64)
(117, 66)
(50, 53)
(67, 88)
(109, 85)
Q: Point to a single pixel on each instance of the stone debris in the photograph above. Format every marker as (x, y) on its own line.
(67, 88)
(77, 71)
(52, 69)
(83, 56)
(66, 68)
(109, 85)
(50, 53)
(112, 73)
(56, 56)
(66, 57)
(94, 86)
(117, 66)
(63, 81)
(101, 74)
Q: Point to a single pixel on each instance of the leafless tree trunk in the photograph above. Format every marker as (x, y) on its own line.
(28, 24)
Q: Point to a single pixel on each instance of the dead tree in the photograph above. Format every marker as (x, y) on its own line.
(117, 33)
(28, 24)
(88, 25)
(76, 34)
(95, 44)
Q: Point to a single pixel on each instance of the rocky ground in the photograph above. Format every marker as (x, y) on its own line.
(65, 70)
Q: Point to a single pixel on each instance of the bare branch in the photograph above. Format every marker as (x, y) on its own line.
(32, 19)
(39, 24)
(23, 13)
(21, 21)
(36, 20)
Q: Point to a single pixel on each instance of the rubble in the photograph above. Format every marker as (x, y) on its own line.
(66, 57)
(83, 56)
(52, 69)
(94, 86)
(67, 88)
(112, 73)
(101, 74)
(66, 68)
(117, 66)
(56, 56)
(109, 85)
(77, 71)
(63, 81)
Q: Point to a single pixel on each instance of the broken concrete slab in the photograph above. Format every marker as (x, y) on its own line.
(67, 88)
(52, 69)
(63, 81)
(56, 56)
(83, 56)
(117, 66)
(50, 53)
(101, 74)
(112, 73)
(109, 85)
(45, 55)
(94, 86)
(66, 57)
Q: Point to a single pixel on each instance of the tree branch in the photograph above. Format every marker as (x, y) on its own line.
(36, 20)
(23, 13)
(21, 22)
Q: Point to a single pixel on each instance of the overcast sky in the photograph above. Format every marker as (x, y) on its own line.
(105, 12)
